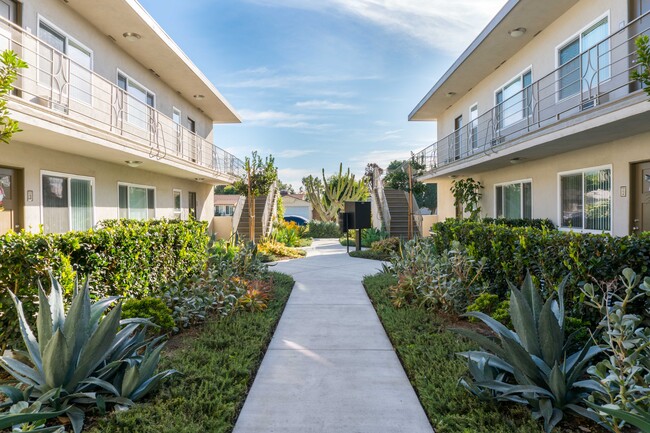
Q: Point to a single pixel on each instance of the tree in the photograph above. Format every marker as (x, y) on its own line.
(260, 175)
(286, 187)
(225, 190)
(369, 175)
(328, 196)
(10, 64)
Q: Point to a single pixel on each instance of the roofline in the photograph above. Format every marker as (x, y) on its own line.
(505, 10)
(151, 22)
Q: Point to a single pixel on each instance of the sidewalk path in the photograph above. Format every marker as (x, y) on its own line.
(330, 367)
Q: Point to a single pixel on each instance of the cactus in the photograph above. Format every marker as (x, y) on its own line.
(329, 197)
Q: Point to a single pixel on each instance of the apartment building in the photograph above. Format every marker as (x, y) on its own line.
(541, 109)
(117, 121)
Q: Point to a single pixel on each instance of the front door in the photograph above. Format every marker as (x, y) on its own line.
(641, 198)
(10, 194)
(191, 204)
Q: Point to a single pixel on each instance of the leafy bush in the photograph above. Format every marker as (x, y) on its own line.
(289, 233)
(521, 222)
(623, 376)
(324, 230)
(445, 282)
(549, 255)
(534, 356)
(370, 255)
(388, 245)
(125, 258)
(277, 249)
(491, 305)
(81, 359)
(150, 308)
(368, 237)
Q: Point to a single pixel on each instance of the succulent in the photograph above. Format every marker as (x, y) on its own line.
(23, 416)
(535, 356)
(81, 358)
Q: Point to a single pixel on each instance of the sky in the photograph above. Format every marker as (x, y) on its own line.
(323, 82)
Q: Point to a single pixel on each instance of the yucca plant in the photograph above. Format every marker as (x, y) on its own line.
(82, 358)
(533, 361)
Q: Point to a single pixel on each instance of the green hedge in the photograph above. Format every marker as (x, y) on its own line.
(125, 258)
(549, 254)
(322, 229)
(521, 222)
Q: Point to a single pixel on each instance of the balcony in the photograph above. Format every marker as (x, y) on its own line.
(57, 88)
(541, 115)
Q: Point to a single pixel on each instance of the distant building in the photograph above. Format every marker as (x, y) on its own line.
(225, 204)
(118, 122)
(297, 205)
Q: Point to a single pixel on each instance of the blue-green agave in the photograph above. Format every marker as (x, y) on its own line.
(87, 357)
(532, 364)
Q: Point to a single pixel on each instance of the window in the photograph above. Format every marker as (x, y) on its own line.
(514, 200)
(136, 202)
(514, 100)
(473, 120)
(177, 203)
(80, 76)
(586, 199)
(138, 101)
(458, 137)
(584, 61)
(224, 210)
(67, 202)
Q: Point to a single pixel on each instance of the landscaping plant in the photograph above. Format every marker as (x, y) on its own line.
(80, 359)
(624, 376)
(531, 364)
(328, 196)
(323, 230)
(467, 197)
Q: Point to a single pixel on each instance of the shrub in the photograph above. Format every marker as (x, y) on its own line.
(534, 356)
(150, 308)
(368, 237)
(125, 258)
(322, 229)
(388, 245)
(521, 222)
(270, 247)
(550, 255)
(491, 305)
(289, 233)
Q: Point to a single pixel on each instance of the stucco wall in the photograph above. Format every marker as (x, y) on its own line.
(222, 227)
(34, 159)
(619, 154)
(540, 53)
(108, 58)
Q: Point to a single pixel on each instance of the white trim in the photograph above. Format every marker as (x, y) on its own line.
(470, 127)
(515, 182)
(67, 176)
(559, 199)
(41, 19)
(520, 76)
(135, 185)
(572, 38)
(126, 103)
(180, 211)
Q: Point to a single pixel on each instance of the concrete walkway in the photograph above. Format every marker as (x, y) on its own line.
(330, 366)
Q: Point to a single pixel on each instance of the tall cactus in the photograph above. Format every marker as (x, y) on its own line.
(329, 196)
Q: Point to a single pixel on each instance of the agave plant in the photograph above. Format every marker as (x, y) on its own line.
(84, 359)
(23, 416)
(535, 356)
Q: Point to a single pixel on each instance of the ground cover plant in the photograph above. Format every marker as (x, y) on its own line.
(368, 237)
(428, 350)
(218, 365)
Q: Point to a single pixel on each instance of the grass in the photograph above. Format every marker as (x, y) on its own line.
(428, 350)
(218, 365)
(370, 254)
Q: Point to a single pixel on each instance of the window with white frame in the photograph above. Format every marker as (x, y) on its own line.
(67, 202)
(50, 60)
(514, 100)
(136, 201)
(224, 210)
(177, 193)
(586, 199)
(514, 200)
(473, 121)
(584, 61)
(139, 101)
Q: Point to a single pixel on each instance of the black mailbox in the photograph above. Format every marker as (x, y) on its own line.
(359, 214)
(344, 222)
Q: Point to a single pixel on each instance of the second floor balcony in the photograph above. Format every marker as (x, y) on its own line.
(588, 85)
(63, 86)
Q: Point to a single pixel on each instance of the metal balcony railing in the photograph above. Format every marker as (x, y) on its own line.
(59, 83)
(596, 76)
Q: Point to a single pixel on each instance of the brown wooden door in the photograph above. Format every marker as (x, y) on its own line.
(641, 198)
(10, 194)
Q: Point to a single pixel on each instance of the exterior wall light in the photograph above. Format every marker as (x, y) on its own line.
(133, 164)
(199, 97)
(132, 36)
(518, 32)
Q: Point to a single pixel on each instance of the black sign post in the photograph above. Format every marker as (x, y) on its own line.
(358, 218)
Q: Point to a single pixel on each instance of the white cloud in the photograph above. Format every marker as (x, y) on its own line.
(442, 24)
(326, 105)
(265, 79)
(269, 116)
(294, 153)
(294, 175)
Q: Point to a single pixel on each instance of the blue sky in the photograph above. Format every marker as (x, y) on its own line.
(319, 82)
